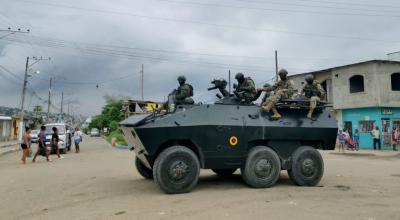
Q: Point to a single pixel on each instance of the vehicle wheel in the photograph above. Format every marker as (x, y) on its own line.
(262, 167)
(176, 170)
(224, 172)
(307, 167)
(143, 170)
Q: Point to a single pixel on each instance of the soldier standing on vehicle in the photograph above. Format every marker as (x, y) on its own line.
(245, 90)
(184, 92)
(314, 92)
(283, 89)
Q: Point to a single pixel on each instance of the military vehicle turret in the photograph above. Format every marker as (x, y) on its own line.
(173, 146)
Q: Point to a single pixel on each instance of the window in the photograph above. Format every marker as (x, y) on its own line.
(356, 84)
(366, 126)
(395, 79)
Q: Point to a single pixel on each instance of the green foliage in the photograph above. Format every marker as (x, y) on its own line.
(118, 135)
(86, 130)
(110, 115)
(113, 125)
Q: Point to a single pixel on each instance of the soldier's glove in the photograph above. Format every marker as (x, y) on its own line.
(235, 85)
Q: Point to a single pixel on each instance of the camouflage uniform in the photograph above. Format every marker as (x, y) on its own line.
(284, 89)
(314, 92)
(246, 90)
(182, 94)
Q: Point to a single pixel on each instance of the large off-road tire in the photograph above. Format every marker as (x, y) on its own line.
(143, 170)
(224, 172)
(262, 167)
(176, 170)
(307, 167)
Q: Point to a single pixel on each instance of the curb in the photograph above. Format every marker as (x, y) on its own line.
(10, 150)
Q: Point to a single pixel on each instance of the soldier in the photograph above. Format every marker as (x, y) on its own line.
(184, 92)
(267, 94)
(245, 90)
(314, 92)
(283, 89)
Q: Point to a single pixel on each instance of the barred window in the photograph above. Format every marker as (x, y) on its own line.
(366, 126)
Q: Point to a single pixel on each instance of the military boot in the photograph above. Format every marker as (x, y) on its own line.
(267, 107)
(276, 115)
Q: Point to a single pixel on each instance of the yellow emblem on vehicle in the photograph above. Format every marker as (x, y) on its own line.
(233, 140)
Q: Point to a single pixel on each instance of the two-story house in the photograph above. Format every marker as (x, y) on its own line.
(364, 95)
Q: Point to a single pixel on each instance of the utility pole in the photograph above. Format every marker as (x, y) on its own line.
(229, 81)
(62, 99)
(49, 100)
(21, 123)
(142, 82)
(276, 66)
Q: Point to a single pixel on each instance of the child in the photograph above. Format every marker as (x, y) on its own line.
(356, 139)
(341, 137)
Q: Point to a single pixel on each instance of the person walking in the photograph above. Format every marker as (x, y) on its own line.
(395, 138)
(42, 149)
(356, 139)
(77, 139)
(55, 142)
(341, 137)
(25, 144)
(376, 138)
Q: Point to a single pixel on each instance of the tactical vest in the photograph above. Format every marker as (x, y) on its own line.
(311, 90)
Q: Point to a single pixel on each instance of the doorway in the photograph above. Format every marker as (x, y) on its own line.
(386, 135)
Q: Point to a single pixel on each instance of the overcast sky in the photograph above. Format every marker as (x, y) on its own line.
(104, 43)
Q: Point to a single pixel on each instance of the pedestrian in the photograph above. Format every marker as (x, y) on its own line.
(55, 141)
(395, 137)
(356, 139)
(77, 139)
(376, 137)
(42, 149)
(341, 137)
(26, 138)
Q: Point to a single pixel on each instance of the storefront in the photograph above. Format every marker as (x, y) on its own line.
(365, 119)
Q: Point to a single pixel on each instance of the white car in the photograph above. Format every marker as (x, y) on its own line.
(94, 132)
(64, 136)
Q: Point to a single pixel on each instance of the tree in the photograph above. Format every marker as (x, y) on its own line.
(110, 115)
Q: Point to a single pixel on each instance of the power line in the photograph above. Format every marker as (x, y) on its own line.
(205, 23)
(351, 3)
(278, 10)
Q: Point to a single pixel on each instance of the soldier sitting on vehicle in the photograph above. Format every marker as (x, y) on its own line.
(245, 90)
(283, 89)
(183, 93)
(267, 94)
(314, 92)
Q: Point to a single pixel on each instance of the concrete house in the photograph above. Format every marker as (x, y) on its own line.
(5, 128)
(364, 95)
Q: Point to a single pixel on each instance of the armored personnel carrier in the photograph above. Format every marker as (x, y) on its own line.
(173, 146)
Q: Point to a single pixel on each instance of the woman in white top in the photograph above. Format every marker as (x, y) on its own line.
(77, 139)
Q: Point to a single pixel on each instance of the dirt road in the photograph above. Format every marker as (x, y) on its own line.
(101, 183)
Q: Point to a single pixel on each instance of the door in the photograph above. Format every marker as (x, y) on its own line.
(386, 135)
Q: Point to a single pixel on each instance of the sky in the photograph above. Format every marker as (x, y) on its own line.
(97, 48)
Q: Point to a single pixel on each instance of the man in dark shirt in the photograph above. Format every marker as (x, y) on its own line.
(54, 142)
(42, 150)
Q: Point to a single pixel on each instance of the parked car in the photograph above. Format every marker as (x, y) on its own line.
(64, 134)
(94, 132)
(34, 136)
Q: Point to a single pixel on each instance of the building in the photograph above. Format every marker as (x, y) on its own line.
(364, 95)
(134, 107)
(5, 128)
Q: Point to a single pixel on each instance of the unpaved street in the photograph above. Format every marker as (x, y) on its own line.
(102, 183)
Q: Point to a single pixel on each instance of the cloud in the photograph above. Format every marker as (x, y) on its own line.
(302, 41)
